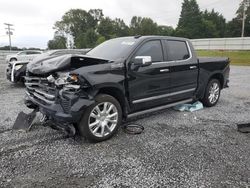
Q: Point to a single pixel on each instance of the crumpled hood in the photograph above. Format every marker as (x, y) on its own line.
(51, 64)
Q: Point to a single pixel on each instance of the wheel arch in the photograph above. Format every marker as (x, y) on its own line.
(218, 76)
(118, 94)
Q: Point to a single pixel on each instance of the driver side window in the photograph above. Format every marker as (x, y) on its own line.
(151, 48)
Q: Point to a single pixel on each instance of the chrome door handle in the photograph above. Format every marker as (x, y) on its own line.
(193, 67)
(164, 70)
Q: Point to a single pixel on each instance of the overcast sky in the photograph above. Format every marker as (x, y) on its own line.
(33, 20)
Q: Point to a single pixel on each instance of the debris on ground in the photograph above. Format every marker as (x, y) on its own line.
(189, 107)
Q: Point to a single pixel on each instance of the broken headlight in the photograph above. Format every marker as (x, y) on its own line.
(17, 67)
(71, 81)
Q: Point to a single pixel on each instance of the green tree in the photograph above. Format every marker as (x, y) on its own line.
(190, 24)
(106, 28)
(135, 25)
(59, 42)
(215, 22)
(120, 28)
(165, 30)
(100, 40)
(234, 26)
(97, 14)
(143, 26)
(86, 40)
(75, 22)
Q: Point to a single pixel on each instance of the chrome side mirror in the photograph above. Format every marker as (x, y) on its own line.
(142, 61)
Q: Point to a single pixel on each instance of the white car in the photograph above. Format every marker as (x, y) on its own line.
(27, 55)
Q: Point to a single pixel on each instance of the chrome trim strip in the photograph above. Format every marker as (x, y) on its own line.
(164, 70)
(162, 96)
(158, 108)
(43, 98)
(48, 96)
(193, 67)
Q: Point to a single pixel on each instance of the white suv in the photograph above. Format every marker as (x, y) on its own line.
(27, 55)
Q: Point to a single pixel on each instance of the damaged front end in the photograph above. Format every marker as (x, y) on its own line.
(57, 92)
(60, 97)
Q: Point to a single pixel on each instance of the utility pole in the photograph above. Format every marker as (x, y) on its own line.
(243, 19)
(245, 6)
(9, 32)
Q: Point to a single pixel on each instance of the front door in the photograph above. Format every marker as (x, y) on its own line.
(149, 85)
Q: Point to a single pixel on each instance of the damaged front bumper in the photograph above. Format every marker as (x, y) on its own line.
(59, 105)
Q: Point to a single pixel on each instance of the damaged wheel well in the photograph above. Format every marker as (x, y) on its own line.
(117, 94)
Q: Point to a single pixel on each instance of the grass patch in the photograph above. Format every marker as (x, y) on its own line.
(236, 57)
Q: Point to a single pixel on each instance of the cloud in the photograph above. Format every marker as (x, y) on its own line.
(33, 20)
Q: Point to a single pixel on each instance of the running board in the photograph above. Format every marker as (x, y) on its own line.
(158, 108)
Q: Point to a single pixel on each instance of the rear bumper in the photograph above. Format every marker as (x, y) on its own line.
(58, 111)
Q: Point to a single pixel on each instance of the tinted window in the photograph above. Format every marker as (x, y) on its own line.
(153, 49)
(113, 49)
(177, 50)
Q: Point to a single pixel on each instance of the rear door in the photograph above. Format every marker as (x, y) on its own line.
(149, 86)
(183, 68)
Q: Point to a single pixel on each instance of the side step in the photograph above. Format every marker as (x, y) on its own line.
(158, 108)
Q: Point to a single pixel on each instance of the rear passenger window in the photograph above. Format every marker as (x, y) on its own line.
(177, 50)
(151, 48)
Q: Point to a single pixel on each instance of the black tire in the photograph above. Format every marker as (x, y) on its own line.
(83, 127)
(210, 99)
(13, 59)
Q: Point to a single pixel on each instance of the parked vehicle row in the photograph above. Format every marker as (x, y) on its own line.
(17, 63)
(26, 55)
(122, 78)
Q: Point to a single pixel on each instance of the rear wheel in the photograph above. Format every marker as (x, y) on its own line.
(101, 120)
(212, 94)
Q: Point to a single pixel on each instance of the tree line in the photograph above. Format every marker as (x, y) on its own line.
(85, 29)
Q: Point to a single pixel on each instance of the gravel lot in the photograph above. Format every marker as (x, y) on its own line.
(177, 149)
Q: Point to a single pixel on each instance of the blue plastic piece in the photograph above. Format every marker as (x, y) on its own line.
(189, 107)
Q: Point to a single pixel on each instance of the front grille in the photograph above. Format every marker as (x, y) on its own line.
(40, 89)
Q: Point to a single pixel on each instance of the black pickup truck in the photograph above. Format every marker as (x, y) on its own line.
(122, 78)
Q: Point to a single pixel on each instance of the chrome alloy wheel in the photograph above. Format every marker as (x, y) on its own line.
(103, 119)
(214, 93)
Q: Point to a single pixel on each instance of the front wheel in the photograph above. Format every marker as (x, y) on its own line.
(212, 93)
(101, 120)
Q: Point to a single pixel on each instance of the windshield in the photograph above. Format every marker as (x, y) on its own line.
(113, 49)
